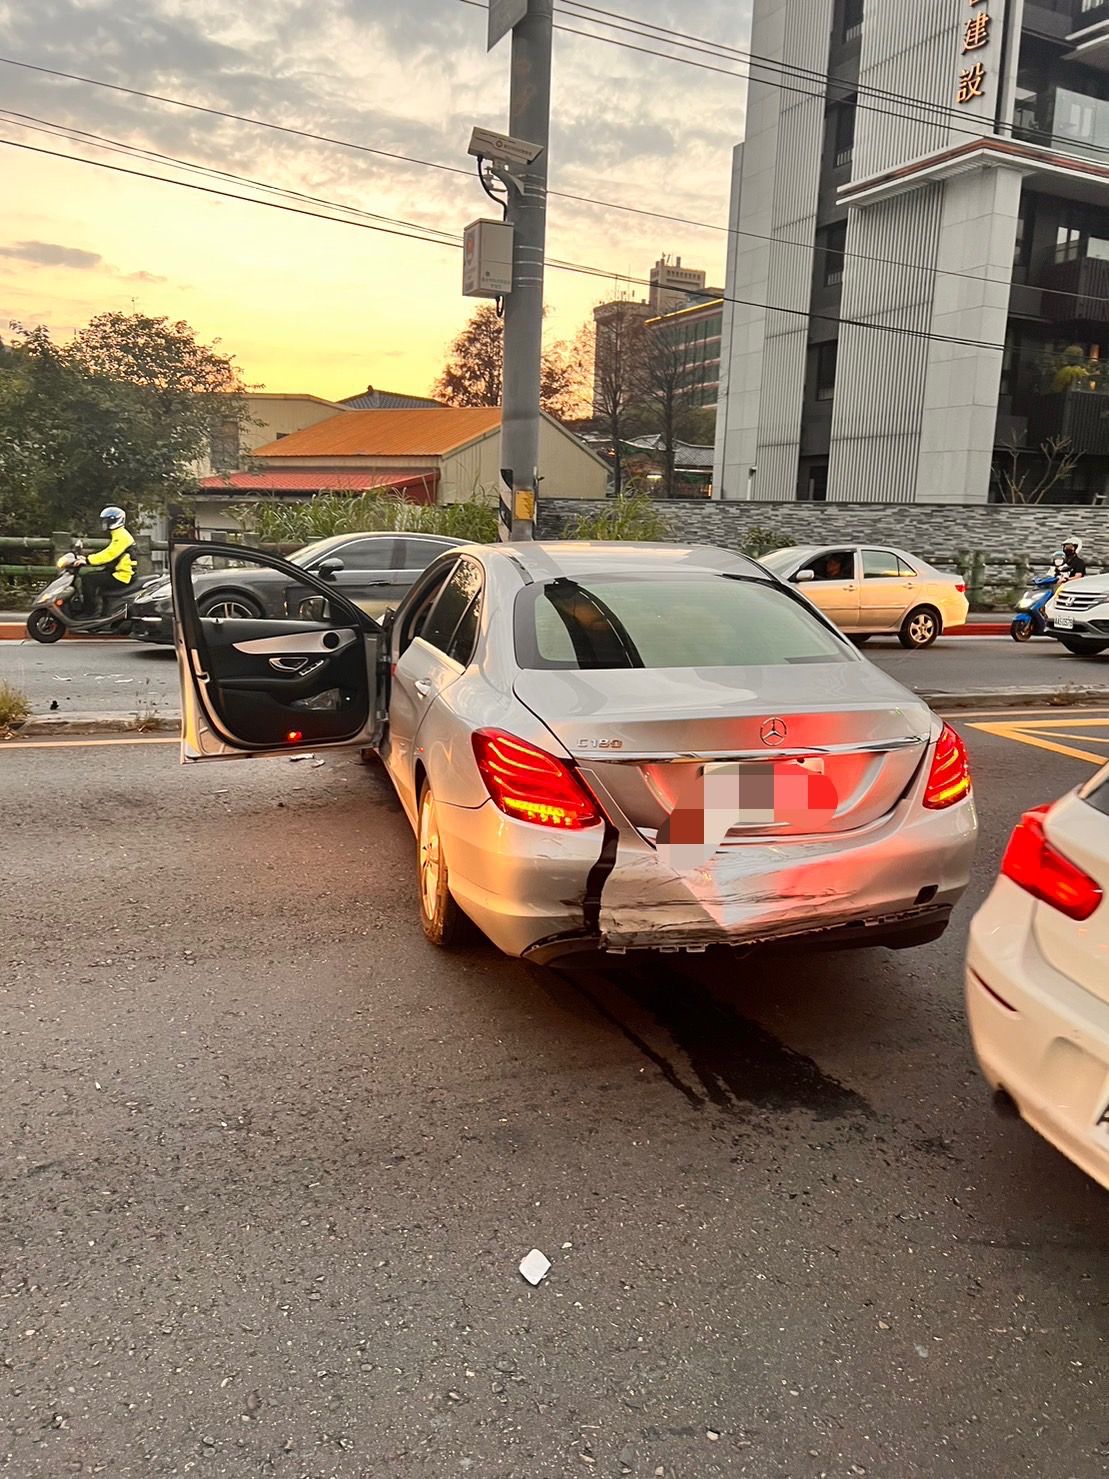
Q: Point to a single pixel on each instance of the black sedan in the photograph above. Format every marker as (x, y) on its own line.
(374, 570)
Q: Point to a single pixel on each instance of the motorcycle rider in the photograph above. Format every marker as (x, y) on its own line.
(110, 569)
(1073, 563)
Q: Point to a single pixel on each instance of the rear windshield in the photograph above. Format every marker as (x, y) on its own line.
(668, 621)
(1099, 796)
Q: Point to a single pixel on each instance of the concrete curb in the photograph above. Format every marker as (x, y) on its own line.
(43, 726)
(1017, 698)
(11, 631)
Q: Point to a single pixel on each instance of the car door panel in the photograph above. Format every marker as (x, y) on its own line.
(265, 685)
(837, 599)
(884, 591)
(426, 666)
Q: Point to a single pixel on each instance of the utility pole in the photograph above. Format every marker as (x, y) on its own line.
(529, 118)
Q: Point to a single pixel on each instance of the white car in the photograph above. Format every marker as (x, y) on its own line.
(870, 590)
(1078, 615)
(607, 746)
(1037, 976)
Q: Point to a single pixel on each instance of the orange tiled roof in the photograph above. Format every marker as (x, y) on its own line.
(428, 432)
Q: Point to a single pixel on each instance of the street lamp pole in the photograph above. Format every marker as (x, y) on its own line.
(529, 118)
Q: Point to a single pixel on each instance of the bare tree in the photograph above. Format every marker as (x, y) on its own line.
(472, 373)
(617, 340)
(1031, 484)
(670, 391)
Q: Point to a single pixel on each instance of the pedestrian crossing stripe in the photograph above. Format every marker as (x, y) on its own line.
(1045, 734)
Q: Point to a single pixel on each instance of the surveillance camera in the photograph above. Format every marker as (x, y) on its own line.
(502, 149)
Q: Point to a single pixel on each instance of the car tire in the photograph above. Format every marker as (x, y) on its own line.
(1080, 647)
(442, 921)
(920, 628)
(44, 627)
(230, 605)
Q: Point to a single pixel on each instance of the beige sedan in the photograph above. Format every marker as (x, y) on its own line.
(868, 590)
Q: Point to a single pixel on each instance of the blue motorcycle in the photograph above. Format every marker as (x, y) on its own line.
(1030, 620)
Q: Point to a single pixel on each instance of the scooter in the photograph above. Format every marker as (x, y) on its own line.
(1030, 620)
(58, 608)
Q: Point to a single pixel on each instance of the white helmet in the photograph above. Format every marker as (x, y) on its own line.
(113, 517)
(1073, 542)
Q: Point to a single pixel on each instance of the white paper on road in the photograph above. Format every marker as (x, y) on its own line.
(535, 1266)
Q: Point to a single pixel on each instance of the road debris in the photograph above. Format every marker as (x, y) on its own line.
(535, 1266)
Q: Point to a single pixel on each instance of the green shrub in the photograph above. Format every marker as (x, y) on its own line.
(758, 541)
(14, 706)
(632, 516)
(474, 520)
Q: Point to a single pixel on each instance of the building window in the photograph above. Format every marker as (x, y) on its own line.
(1068, 244)
(816, 485)
(1022, 247)
(844, 132)
(826, 355)
(223, 450)
(1075, 241)
(831, 242)
(852, 19)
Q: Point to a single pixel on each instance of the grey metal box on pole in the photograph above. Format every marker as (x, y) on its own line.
(487, 259)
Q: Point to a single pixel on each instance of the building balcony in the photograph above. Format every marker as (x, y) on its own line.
(1076, 291)
(1080, 416)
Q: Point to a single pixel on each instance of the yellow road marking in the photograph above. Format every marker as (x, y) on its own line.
(956, 717)
(1029, 734)
(80, 744)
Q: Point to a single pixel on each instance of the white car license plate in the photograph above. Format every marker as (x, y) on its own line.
(1063, 623)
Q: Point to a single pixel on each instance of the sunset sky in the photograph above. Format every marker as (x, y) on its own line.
(302, 304)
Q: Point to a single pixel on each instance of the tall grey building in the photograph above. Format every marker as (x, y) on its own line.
(918, 263)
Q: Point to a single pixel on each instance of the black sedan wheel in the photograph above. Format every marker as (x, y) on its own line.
(229, 606)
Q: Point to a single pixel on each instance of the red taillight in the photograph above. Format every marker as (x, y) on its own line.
(294, 736)
(1041, 870)
(531, 785)
(949, 780)
(961, 587)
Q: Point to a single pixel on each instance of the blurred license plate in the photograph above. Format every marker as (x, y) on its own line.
(1064, 623)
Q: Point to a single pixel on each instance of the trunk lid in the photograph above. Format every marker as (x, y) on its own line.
(1079, 829)
(637, 734)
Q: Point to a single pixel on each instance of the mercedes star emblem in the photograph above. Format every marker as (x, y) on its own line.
(773, 732)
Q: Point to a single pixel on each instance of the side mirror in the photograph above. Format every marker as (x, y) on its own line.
(803, 576)
(329, 568)
(314, 608)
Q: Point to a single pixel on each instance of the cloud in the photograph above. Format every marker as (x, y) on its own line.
(50, 254)
(53, 254)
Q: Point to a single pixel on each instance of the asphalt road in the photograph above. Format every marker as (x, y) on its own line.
(132, 677)
(270, 1163)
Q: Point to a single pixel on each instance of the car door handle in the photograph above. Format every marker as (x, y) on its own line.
(422, 687)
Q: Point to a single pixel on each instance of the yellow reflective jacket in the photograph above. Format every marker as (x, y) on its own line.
(117, 555)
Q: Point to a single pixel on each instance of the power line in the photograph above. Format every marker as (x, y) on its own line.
(805, 92)
(704, 46)
(420, 234)
(438, 240)
(453, 169)
(83, 137)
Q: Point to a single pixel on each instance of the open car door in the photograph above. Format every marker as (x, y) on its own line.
(274, 685)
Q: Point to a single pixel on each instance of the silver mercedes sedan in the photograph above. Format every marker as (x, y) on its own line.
(606, 747)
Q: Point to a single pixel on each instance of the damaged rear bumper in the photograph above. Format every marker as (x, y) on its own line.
(910, 927)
